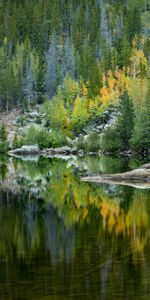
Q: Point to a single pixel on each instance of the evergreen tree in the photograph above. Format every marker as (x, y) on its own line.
(3, 139)
(141, 135)
(68, 59)
(125, 121)
(51, 68)
(29, 84)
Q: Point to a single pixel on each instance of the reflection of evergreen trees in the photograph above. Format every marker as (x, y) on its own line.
(73, 238)
(50, 200)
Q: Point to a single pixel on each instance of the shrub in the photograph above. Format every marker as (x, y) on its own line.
(111, 140)
(34, 136)
(41, 137)
(57, 139)
(17, 142)
(81, 143)
(93, 142)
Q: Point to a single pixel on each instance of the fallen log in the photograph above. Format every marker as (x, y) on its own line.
(139, 178)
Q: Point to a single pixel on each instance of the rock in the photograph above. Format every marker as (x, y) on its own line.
(80, 152)
(33, 114)
(63, 150)
(26, 150)
(100, 127)
(139, 178)
(88, 129)
(74, 150)
(28, 157)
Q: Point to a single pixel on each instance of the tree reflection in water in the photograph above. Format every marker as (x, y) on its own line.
(60, 236)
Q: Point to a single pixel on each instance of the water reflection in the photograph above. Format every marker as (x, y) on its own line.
(60, 237)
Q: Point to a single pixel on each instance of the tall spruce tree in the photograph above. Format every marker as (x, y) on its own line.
(141, 135)
(125, 120)
(3, 139)
(51, 67)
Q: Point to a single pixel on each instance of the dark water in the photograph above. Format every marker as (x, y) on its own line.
(64, 239)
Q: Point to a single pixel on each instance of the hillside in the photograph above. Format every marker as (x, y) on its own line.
(78, 58)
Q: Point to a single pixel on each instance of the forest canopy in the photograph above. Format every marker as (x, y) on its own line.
(42, 41)
(78, 57)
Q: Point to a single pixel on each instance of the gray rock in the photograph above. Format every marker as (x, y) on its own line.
(26, 150)
(33, 114)
(100, 127)
(80, 152)
(63, 150)
(74, 150)
(88, 129)
(60, 150)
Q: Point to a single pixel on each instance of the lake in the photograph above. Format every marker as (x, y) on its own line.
(61, 238)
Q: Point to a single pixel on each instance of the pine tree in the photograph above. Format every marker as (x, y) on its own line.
(125, 121)
(3, 139)
(51, 68)
(68, 59)
(141, 135)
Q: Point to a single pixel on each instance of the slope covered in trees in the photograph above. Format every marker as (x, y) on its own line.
(97, 49)
(42, 41)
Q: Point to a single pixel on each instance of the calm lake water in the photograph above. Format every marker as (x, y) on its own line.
(64, 239)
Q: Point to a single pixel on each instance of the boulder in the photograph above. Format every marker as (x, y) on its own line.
(74, 150)
(89, 128)
(65, 150)
(80, 152)
(26, 150)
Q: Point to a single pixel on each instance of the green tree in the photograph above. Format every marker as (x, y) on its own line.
(141, 134)
(125, 120)
(3, 139)
(80, 114)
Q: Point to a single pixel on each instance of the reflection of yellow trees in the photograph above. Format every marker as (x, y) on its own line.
(109, 211)
(76, 202)
(133, 224)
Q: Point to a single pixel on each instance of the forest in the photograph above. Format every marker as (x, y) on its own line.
(74, 149)
(77, 58)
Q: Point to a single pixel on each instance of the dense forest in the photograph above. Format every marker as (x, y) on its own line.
(79, 57)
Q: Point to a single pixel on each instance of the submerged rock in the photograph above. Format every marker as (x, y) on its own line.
(139, 178)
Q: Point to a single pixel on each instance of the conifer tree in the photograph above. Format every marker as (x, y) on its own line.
(51, 68)
(3, 139)
(125, 120)
(141, 135)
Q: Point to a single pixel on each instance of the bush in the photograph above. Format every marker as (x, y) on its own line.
(34, 135)
(93, 142)
(57, 139)
(111, 140)
(17, 142)
(81, 143)
(41, 137)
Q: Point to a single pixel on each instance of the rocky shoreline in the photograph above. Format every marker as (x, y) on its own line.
(35, 150)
